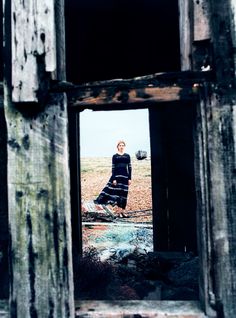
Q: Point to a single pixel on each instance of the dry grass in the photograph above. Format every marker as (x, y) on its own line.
(95, 173)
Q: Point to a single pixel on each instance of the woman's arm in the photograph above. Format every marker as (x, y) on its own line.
(129, 170)
(113, 169)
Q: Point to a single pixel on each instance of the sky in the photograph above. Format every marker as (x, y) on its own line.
(100, 131)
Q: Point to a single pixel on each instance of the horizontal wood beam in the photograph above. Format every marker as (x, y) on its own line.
(156, 88)
(149, 95)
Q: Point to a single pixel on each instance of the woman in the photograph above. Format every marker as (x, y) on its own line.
(116, 190)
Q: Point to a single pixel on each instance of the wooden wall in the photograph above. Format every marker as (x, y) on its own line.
(41, 276)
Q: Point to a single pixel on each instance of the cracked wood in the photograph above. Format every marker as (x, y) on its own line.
(33, 47)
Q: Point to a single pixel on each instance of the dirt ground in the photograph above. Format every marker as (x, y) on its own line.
(95, 173)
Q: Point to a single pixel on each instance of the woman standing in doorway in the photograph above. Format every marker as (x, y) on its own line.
(116, 190)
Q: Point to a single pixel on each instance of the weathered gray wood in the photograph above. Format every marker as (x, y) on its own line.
(233, 29)
(217, 203)
(86, 98)
(33, 47)
(143, 308)
(185, 30)
(201, 20)
(222, 160)
(4, 268)
(223, 38)
(39, 211)
(60, 40)
(205, 244)
(160, 87)
(41, 280)
(222, 180)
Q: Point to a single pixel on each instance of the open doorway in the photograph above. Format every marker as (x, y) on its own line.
(107, 40)
(170, 272)
(116, 219)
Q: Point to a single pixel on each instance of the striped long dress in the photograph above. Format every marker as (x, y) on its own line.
(121, 172)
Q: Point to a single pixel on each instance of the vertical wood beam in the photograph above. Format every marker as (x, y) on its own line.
(39, 211)
(233, 29)
(33, 48)
(202, 47)
(222, 162)
(223, 38)
(41, 280)
(185, 30)
(60, 40)
(216, 158)
(201, 19)
(76, 216)
(159, 180)
(216, 186)
(4, 241)
(205, 243)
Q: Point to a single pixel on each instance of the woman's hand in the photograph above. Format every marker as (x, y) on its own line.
(129, 182)
(114, 182)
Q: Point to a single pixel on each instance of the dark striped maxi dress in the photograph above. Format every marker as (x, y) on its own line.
(121, 172)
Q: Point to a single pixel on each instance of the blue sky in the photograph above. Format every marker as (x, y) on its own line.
(100, 131)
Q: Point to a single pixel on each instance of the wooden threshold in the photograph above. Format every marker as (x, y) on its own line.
(129, 308)
(134, 308)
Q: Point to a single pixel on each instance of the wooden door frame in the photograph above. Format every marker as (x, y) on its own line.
(211, 104)
(149, 92)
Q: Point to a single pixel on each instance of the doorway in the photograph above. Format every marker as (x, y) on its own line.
(174, 228)
(105, 226)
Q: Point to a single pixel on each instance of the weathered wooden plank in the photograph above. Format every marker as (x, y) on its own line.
(160, 87)
(201, 20)
(41, 277)
(4, 268)
(223, 38)
(216, 202)
(33, 47)
(222, 179)
(159, 189)
(60, 39)
(143, 308)
(206, 291)
(39, 211)
(86, 98)
(76, 215)
(185, 30)
(186, 78)
(233, 28)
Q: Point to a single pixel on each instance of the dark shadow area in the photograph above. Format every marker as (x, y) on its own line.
(109, 39)
(179, 145)
(1, 42)
(174, 196)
